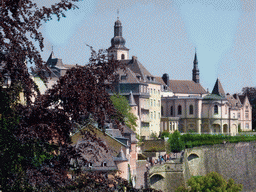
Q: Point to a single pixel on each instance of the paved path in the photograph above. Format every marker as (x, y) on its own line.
(141, 169)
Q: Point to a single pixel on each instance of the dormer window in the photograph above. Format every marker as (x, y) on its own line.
(122, 56)
(139, 77)
(90, 164)
(104, 164)
(148, 78)
(123, 77)
(152, 78)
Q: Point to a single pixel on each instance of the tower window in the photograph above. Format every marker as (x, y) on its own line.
(216, 110)
(191, 110)
(179, 110)
(122, 56)
(171, 110)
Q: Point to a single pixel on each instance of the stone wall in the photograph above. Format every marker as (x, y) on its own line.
(237, 161)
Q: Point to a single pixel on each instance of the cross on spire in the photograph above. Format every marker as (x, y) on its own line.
(117, 14)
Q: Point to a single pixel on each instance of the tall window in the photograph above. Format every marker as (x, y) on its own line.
(122, 56)
(216, 110)
(171, 110)
(191, 109)
(162, 110)
(247, 115)
(179, 110)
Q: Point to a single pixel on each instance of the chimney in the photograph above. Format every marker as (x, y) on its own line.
(134, 58)
(165, 78)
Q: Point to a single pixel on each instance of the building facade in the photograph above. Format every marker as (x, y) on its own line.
(186, 106)
(135, 81)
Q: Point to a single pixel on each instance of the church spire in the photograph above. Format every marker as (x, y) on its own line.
(118, 49)
(195, 71)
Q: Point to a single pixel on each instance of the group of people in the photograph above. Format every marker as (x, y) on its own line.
(161, 159)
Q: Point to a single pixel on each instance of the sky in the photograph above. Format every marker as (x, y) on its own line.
(164, 35)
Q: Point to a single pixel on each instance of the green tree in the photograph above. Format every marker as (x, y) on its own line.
(211, 182)
(176, 143)
(123, 108)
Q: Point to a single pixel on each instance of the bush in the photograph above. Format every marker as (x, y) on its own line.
(164, 134)
(176, 142)
(211, 182)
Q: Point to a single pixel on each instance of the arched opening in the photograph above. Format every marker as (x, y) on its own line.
(171, 113)
(157, 181)
(225, 128)
(122, 56)
(179, 110)
(192, 156)
(191, 110)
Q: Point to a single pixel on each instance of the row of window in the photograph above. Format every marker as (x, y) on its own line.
(179, 111)
(153, 103)
(153, 115)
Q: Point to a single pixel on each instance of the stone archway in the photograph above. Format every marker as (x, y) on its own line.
(157, 181)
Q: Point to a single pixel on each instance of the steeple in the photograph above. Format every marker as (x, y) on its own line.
(218, 89)
(195, 71)
(118, 49)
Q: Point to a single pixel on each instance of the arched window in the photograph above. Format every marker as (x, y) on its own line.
(122, 56)
(191, 110)
(216, 110)
(171, 111)
(179, 110)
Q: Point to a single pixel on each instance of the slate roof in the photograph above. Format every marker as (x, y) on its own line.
(186, 86)
(234, 101)
(160, 80)
(242, 98)
(136, 72)
(218, 89)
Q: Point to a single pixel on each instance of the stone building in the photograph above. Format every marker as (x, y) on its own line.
(137, 82)
(187, 106)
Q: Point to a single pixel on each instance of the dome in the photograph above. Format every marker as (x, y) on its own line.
(117, 41)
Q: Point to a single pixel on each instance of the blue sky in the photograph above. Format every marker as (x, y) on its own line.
(164, 35)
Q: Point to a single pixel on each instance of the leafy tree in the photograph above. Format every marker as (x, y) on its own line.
(211, 182)
(35, 145)
(123, 108)
(164, 134)
(251, 93)
(176, 143)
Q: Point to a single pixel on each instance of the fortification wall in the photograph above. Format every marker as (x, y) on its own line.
(237, 161)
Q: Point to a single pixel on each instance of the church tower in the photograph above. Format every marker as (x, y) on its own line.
(117, 49)
(195, 71)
